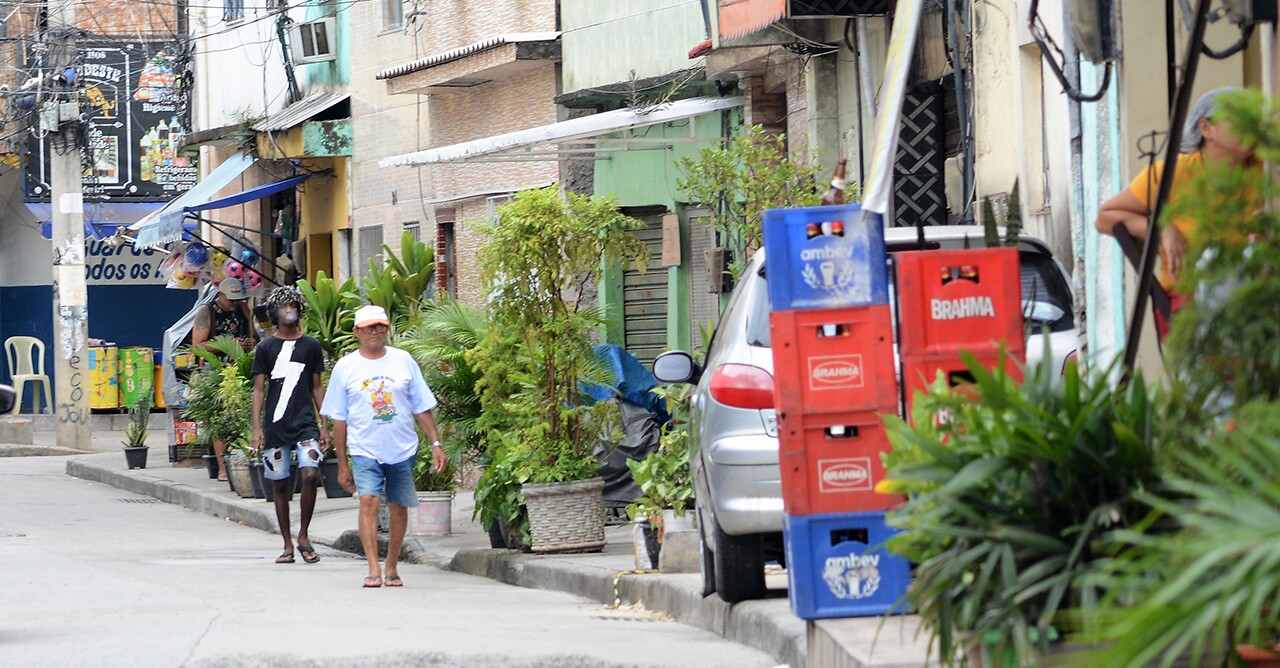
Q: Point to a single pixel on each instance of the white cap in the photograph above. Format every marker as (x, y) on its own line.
(371, 315)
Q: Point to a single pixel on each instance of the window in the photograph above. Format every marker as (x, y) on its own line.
(414, 230)
(446, 257)
(312, 42)
(232, 10)
(392, 14)
(370, 248)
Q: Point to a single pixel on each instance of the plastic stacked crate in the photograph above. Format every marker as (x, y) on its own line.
(832, 339)
(954, 301)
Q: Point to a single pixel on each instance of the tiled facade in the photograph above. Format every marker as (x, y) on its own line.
(387, 124)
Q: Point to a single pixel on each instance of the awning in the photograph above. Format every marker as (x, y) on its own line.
(301, 111)
(577, 130)
(165, 224)
(743, 17)
(250, 194)
(100, 218)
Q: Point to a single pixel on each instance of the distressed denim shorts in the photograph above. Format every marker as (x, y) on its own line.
(275, 461)
(373, 478)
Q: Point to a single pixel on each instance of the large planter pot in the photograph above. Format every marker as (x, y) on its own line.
(1259, 657)
(239, 476)
(433, 516)
(566, 517)
(226, 466)
(269, 486)
(136, 458)
(211, 466)
(329, 478)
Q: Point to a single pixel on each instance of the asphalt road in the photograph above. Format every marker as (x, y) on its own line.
(94, 576)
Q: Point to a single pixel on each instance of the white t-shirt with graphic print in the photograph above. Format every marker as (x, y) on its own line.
(378, 400)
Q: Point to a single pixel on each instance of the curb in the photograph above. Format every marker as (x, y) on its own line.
(774, 632)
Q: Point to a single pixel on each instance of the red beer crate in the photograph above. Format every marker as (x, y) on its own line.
(838, 566)
(833, 360)
(920, 371)
(831, 463)
(950, 301)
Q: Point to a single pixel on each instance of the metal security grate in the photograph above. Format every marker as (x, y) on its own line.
(920, 192)
(138, 500)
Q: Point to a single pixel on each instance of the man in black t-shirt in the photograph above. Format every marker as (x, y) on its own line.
(286, 373)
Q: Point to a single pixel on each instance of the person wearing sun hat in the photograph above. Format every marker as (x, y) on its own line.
(1206, 142)
(374, 396)
(227, 314)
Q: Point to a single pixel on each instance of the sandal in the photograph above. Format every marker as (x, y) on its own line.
(285, 558)
(308, 554)
(372, 581)
(393, 581)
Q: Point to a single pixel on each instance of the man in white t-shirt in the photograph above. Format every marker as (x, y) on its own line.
(374, 395)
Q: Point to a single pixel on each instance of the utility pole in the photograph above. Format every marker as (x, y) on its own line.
(60, 117)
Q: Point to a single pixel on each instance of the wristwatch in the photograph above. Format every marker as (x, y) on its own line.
(436, 444)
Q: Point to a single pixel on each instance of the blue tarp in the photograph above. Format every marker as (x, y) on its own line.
(633, 383)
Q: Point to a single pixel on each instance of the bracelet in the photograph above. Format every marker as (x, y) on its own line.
(436, 444)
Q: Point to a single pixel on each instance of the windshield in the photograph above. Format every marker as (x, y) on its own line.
(1041, 282)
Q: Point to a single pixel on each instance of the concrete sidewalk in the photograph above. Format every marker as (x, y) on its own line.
(767, 625)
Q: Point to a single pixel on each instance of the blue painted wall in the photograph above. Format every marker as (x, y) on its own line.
(128, 315)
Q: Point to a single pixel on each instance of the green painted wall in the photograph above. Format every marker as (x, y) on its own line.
(647, 178)
(335, 72)
(654, 35)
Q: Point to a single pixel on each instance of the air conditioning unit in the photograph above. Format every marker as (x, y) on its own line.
(313, 41)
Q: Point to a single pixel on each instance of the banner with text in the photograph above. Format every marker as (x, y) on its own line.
(135, 113)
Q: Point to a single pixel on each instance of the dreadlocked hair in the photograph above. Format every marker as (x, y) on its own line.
(287, 294)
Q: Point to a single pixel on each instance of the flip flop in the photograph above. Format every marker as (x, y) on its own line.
(393, 581)
(308, 554)
(285, 558)
(372, 581)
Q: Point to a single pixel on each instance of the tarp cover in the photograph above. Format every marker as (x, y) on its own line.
(641, 416)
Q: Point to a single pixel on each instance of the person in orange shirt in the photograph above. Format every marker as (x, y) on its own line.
(1205, 142)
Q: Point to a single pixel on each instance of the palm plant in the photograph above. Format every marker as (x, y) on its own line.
(330, 313)
(135, 431)
(220, 394)
(1214, 582)
(439, 338)
(1012, 497)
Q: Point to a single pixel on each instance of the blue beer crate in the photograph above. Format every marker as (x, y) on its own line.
(825, 257)
(838, 566)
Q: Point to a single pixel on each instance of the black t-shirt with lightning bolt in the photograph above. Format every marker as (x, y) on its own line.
(288, 366)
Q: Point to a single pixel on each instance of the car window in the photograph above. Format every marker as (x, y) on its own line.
(1042, 281)
(747, 311)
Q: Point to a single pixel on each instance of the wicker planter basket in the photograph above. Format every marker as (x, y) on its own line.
(566, 517)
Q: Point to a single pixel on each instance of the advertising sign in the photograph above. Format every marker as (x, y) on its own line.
(121, 265)
(135, 115)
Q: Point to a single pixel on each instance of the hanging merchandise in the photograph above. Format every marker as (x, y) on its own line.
(234, 269)
(252, 280)
(249, 257)
(181, 280)
(197, 255)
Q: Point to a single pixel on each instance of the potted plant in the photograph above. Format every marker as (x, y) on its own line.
(434, 514)
(664, 478)
(1200, 576)
(1014, 494)
(543, 252)
(219, 396)
(135, 432)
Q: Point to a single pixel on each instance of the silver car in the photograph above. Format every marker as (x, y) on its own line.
(733, 426)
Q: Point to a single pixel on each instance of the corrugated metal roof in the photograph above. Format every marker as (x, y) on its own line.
(301, 111)
(468, 50)
(743, 17)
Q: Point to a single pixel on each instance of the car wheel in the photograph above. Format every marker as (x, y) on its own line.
(739, 567)
(706, 557)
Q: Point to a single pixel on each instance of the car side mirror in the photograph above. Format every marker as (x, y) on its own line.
(6, 398)
(676, 367)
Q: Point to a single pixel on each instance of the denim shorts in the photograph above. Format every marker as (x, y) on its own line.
(373, 478)
(275, 461)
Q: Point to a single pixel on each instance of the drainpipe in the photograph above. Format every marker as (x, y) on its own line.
(962, 101)
(282, 22)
